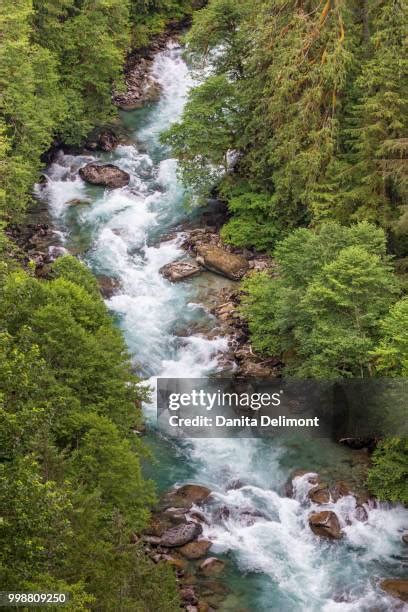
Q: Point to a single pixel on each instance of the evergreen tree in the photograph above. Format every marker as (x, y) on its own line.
(31, 104)
(391, 355)
(71, 487)
(372, 172)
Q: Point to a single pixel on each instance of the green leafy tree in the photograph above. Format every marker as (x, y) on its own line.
(323, 312)
(201, 142)
(391, 355)
(71, 488)
(388, 478)
(376, 186)
(89, 41)
(31, 104)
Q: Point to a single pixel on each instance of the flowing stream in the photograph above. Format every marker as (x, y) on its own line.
(274, 562)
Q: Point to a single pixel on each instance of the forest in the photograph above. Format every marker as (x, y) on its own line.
(301, 129)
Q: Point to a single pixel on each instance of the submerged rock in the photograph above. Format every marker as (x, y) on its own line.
(107, 140)
(180, 535)
(195, 550)
(325, 524)
(212, 566)
(340, 489)
(108, 285)
(361, 514)
(221, 261)
(396, 587)
(179, 270)
(78, 202)
(107, 175)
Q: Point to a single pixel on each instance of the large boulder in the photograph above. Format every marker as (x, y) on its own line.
(325, 524)
(187, 495)
(195, 550)
(396, 587)
(319, 495)
(221, 261)
(179, 270)
(176, 515)
(106, 175)
(340, 489)
(180, 535)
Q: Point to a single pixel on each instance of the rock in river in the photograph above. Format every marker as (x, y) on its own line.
(195, 550)
(187, 495)
(106, 175)
(325, 524)
(212, 566)
(221, 261)
(319, 495)
(107, 140)
(396, 588)
(179, 270)
(180, 535)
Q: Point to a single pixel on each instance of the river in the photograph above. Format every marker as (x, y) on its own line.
(274, 562)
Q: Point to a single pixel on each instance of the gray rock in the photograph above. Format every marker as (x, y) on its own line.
(179, 270)
(187, 495)
(56, 251)
(107, 140)
(180, 535)
(325, 524)
(106, 175)
(221, 261)
(396, 587)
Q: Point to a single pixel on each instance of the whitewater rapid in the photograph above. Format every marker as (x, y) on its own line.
(264, 535)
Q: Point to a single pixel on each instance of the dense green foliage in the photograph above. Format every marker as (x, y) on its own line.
(71, 488)
(389, 475)
(59, 60)
(314, 98)
(72, 492)
(301, 127)
(325, 309)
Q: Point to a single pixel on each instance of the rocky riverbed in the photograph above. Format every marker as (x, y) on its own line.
(179, 530)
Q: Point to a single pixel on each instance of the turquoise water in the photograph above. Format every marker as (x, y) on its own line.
(274, 561)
